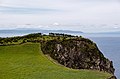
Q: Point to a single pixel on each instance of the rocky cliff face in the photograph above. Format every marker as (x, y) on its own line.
(78, 53)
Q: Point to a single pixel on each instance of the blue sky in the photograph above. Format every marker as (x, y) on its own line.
(83, 15)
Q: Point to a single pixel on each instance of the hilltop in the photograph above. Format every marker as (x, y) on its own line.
(70, 51)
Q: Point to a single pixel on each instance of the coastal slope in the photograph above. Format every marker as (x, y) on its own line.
(26, 61)
(78, 53)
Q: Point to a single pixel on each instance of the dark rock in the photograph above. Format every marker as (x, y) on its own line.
(113, 77)
(78, 54)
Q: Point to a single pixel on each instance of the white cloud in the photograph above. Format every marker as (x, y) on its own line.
(23, 10)
(56, 24)
(116, 27)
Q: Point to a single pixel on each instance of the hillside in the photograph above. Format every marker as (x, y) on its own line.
(78, 53)
(26, 61)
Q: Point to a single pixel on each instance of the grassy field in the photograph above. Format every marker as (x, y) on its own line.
(26, 61)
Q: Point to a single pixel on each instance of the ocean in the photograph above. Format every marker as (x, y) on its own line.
(109, 45)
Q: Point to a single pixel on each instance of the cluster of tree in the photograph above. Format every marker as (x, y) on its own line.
(19, 39)
(61, 34)
(10, 40)
(34, 35)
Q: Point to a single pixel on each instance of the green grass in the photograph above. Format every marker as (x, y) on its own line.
(26, 61)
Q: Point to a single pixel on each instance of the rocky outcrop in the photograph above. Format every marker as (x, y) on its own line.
(79, 53)
(113, 77)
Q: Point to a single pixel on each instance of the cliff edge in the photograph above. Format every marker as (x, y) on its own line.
(78, 53)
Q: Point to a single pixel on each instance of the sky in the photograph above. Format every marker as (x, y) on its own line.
(80, 15)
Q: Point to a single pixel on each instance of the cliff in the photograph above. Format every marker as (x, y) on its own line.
(78, 53)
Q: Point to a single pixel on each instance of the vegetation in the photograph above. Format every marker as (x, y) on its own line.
(21, 58)
(26, 61)
(35, 37)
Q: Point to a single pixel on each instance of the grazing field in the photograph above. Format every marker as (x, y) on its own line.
(27, 61)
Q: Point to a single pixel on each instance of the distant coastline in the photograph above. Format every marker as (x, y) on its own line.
(36, 30)
(25, 31)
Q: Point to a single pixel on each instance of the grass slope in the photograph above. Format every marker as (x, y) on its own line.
(27, 62)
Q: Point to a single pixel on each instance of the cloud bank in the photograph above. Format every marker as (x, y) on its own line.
(69, 14)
